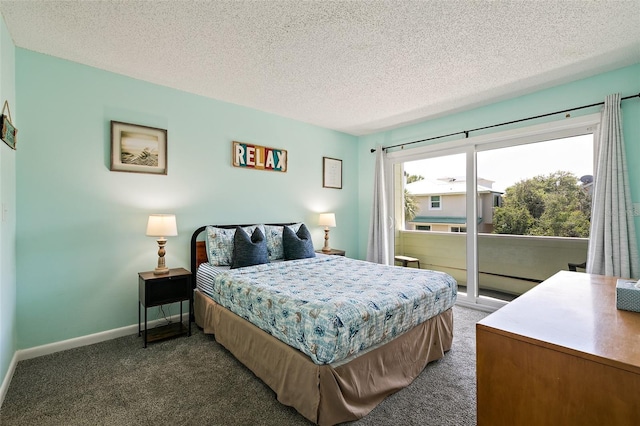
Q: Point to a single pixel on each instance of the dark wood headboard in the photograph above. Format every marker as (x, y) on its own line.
(199, 250)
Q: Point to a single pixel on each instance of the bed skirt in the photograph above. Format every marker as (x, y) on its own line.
(327, 394)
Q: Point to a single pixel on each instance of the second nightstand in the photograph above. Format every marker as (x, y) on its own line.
(156, 290)
(334, 252)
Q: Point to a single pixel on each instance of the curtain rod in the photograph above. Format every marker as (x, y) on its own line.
(466, 132)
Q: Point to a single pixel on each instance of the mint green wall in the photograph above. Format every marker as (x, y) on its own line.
(583, 92)
(81, 227)
(80, 232)
(8, 330)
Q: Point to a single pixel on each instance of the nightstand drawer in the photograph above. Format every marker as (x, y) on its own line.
(161, 292)
(157, 290)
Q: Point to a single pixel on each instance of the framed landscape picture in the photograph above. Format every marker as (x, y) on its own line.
(138, 149)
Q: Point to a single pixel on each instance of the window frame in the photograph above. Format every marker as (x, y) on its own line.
(525, 134)
(431, 201)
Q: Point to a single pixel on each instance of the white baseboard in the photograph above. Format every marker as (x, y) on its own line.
(90, 339)
(7, 378)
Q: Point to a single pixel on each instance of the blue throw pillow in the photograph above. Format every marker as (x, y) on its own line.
(249, 250)
(297, 245)
(273, 233)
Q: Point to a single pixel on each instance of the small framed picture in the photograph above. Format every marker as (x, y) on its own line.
(7, 131)
(138, 149)
(331, 173)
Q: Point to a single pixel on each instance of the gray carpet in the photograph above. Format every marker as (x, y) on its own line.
(194, 381)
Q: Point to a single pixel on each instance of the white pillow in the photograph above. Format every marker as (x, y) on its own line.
(219, 242)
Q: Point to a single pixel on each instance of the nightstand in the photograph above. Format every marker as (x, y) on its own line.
(156, 290)
(334, 252)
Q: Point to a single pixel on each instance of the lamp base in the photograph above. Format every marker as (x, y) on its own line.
(161, 271)
(326, 248)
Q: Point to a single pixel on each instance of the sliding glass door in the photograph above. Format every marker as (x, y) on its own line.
(500, 213)
(432, 217)
(536, 212)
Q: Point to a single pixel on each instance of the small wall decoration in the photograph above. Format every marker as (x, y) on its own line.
(331, 173)
(258, 157)
(138, 149)
(7, 131)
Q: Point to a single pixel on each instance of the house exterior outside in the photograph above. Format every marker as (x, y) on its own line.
(442, 205)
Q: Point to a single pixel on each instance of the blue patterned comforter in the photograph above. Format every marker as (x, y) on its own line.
(332, 307)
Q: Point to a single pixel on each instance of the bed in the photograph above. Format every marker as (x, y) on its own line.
(332, 367)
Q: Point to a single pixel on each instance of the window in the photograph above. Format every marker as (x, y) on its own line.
(432, 199)
(434, 203)
(546, 187)
(497, 249)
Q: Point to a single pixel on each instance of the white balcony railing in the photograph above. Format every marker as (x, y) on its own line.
(509, 264)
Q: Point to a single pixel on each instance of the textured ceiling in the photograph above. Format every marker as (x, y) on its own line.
(354, 66)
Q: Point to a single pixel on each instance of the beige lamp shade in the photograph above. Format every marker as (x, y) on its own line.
(162, 225)
(327, 219)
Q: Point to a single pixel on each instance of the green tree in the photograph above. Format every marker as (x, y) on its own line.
(512, 220)
(552, 205)
(411, 206)
(413, 178)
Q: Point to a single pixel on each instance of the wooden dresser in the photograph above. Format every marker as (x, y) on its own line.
(561, 354)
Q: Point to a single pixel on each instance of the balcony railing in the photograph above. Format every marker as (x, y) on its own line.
(509, 264)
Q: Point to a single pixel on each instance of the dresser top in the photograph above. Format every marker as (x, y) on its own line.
(575, 313)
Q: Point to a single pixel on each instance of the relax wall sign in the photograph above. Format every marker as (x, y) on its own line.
(259, 157)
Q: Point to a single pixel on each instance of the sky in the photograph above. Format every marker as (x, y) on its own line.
(507, 166)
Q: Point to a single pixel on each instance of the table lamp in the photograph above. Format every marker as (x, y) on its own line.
(162, 225)
(327, 220)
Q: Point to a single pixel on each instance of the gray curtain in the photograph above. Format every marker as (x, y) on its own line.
(613, 249)
(378, 247)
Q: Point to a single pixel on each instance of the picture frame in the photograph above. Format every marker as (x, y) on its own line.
(331, 173)
(8, 132)
(138, 149)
